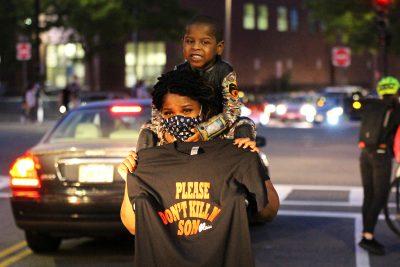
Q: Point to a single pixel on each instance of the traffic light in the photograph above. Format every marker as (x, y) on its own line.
(383, 4)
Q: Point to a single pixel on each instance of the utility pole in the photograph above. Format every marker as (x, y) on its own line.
(228, 29)
(382, 21)
(36, 43)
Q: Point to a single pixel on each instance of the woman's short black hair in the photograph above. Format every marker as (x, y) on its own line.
(209, 21)
(190, 84)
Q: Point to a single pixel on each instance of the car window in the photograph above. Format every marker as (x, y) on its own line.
(99, 124)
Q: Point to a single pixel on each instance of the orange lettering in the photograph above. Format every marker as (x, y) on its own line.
(214, 214)
(187, 227)
(180, 227)
(169, 216)
(164, 220)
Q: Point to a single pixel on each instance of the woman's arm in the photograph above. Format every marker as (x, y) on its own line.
(269, 212)
(127, 214)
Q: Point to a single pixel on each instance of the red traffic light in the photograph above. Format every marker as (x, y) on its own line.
(383, 3)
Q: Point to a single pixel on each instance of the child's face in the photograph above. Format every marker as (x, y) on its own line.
(200, 46)
(179, 105)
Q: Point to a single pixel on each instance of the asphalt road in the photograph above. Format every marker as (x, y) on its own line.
(315, 171)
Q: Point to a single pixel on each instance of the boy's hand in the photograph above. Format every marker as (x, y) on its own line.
(129, 164)
(246, 143)
(194, 138)
(169, 138)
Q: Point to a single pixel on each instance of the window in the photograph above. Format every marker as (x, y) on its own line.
(249, 14)
(62, 62)
(144, 61)
(282, 22)
(294, 20)
(262, 19)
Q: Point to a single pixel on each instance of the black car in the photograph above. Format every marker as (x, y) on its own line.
(68, 185)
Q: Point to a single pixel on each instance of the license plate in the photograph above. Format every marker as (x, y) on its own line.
(96, 173)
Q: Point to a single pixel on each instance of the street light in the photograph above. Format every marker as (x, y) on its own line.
(382, 9)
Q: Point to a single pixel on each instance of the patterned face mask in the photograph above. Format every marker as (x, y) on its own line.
(179, 126)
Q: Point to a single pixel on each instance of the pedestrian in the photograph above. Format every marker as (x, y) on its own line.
(140, 90)
(31, 101)
(70, 94)
(380, 119)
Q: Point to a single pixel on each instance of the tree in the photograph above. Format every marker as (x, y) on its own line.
(103, 25)
(353, 23)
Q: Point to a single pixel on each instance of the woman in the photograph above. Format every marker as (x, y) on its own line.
(184, 100)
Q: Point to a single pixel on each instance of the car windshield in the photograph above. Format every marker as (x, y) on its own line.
(100, 124)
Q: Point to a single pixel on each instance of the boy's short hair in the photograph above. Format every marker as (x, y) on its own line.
(190, 84)
(210, 21)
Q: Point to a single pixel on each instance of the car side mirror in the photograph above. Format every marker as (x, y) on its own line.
(261, 141)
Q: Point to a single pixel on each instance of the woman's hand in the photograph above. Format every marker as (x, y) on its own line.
(129, 164)
(169, 138)
(246, 143)
(195, 137)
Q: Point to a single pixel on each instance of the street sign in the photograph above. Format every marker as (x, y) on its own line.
(24, 51)
(341, 56)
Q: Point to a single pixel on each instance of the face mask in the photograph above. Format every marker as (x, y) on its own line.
(180, 126)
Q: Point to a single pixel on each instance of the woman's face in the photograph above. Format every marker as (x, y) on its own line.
(179, 105)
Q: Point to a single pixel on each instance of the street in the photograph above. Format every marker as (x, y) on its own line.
(315, 171)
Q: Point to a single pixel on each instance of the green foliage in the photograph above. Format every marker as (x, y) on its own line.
(353, 23)
(102, 23)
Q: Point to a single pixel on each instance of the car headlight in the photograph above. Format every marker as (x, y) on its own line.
(333, 115)
(62, 109)
(281, 109)
(245, 111)
(270, 108)
(308, 111)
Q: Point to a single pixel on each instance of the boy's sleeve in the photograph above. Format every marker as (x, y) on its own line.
(231, 109)
(150, 133)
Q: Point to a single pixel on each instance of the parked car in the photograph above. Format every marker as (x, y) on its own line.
(295, 109)
(67, 184)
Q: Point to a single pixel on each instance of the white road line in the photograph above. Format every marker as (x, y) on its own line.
(327, 214)
(320, 187)
(356, 196)
(362, 257)
(5, 195)
(319, 203)
(3, 181)
(283, 191)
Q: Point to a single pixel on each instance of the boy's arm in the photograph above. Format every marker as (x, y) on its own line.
(231, 110)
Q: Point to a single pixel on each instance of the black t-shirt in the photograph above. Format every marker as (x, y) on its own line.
(190, 209)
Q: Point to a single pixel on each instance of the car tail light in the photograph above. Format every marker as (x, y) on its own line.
(24, 175)
(126, 109)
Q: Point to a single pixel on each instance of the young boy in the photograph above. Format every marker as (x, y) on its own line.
(202, 49)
